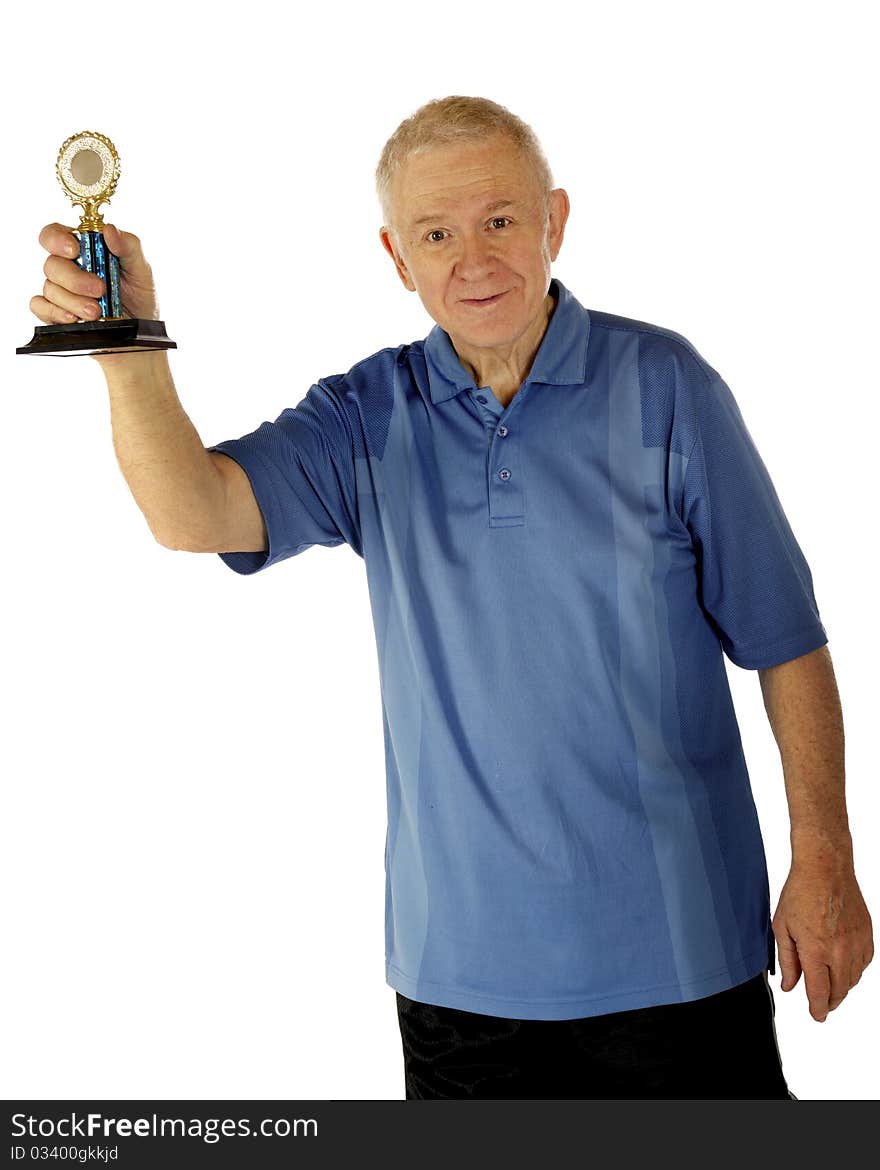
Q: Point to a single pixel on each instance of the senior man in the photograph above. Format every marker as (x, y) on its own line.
(565, 525)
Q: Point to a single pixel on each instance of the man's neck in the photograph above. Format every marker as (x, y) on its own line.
(505, 381)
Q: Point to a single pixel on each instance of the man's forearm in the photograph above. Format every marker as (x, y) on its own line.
(803, 707)
(171, 476)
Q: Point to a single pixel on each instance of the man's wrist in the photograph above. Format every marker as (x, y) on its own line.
(813, 847)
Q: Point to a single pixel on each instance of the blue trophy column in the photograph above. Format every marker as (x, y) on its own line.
(96, 257)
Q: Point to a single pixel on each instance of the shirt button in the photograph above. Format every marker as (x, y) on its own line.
(502, 430)
(482, 398)
(504, 473)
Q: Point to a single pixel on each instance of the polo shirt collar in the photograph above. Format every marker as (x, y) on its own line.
(561, 359)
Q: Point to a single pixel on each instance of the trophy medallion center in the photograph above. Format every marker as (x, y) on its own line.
(86, 167)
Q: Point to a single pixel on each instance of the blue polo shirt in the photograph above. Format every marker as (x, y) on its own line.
(553, 585)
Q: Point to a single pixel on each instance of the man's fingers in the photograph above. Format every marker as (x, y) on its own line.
(82, 307)
(127, 246)
(789, 963)
(59, 240)
(818, 982)
(50, 314)
(69, 293)
(841, 982)
(68, 275)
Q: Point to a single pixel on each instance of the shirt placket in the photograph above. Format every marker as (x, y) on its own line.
(504, 469)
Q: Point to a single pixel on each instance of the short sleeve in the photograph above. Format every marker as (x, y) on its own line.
(755, 585)
(301, 468)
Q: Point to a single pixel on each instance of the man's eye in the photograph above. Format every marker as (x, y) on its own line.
(440, 231)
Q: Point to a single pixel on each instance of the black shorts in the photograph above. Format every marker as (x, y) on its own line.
(723, 1046)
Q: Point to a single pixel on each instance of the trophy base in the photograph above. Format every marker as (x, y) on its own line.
(111, 335)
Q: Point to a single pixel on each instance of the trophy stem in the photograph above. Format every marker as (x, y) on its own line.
(96, 257)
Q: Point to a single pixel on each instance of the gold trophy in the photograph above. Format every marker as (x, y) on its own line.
(88, 170)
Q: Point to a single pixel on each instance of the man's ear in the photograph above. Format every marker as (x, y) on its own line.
(390, 246)
(559, 209)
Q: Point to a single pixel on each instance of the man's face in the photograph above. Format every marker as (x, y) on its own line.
(455, 245)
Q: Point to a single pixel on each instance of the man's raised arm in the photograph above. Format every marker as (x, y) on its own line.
(191, 498)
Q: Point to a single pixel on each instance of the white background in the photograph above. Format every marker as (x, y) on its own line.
(194, 787)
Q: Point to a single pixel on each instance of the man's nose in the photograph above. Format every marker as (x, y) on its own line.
(475, 256)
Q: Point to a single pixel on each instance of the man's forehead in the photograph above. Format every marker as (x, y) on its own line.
(422, 202)
(442, 209)
(439, 184)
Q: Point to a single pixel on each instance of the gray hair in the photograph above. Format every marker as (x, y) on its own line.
(457, 119)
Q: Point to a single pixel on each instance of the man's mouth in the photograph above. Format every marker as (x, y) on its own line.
(485, 300)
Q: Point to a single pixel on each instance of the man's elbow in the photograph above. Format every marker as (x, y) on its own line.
(176, 542)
